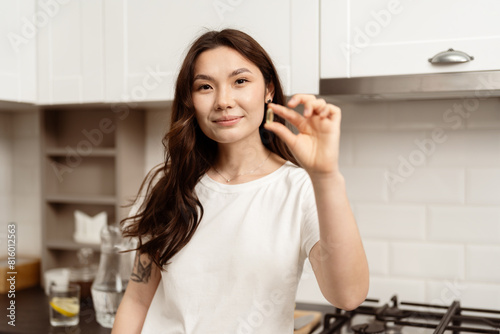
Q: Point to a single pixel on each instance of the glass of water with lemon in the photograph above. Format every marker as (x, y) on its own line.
(64, 305)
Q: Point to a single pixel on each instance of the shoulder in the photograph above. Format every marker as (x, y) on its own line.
(296, 180)
(296, 173)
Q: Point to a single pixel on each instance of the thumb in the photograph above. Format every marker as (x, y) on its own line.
(282, 132)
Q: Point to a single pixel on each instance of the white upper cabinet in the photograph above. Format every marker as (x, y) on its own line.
(146, 41)
(391, 37)
(70, 62)
(17, 51)
(84, 51)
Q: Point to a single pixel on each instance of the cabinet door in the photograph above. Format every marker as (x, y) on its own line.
(71, 52)
(380, 37)
(17, 51)
(143, 59)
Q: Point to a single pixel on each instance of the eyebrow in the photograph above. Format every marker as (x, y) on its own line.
(233, 73)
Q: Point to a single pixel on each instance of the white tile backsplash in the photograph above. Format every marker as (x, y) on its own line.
(375, 148)
(346, 150)
(423, 114)
(365, 184)
(482, 148)
(441, 218)
(395, 222)
(434, 185)
(470, 294)
(377, 253)
(424, 260)
(464, 224)
(487, 116)
(483, 263)
(481, 295)
(483, 186)
(383, 288)
(370, 115)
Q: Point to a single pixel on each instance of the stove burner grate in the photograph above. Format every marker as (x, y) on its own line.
(369, 328)
(393, 319)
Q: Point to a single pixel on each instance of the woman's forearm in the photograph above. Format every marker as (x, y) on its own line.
(341, 255)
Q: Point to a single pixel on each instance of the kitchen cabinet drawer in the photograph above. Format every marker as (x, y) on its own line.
(398, 37)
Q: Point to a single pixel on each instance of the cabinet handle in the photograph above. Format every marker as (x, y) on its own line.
(450, 57)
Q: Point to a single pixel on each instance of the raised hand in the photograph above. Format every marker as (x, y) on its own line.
(316, 147)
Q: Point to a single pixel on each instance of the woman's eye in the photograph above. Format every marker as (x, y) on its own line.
(204, 87)
(241, 81)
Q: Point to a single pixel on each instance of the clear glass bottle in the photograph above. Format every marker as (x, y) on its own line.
(112, 276)
(84, 272)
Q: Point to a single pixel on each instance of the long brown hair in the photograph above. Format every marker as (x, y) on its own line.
(170, 213)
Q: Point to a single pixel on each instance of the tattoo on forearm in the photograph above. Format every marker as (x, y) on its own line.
(142, 268)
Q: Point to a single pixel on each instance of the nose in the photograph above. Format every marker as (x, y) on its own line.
(224, 99)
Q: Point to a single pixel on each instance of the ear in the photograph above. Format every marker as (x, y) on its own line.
(269, 91)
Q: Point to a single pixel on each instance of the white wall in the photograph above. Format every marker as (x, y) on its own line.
(26, 185)
(157, 123)
(20, 180)
(6, 214)
(435, 236)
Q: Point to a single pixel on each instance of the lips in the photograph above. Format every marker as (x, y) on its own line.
(228, 120)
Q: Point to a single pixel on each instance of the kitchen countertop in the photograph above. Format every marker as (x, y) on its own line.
(32, 315)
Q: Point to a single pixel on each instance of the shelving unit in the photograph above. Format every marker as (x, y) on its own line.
(93, 161)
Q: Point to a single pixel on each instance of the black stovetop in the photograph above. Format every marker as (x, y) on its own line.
(405, 317)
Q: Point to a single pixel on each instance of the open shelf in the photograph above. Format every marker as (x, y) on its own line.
(80, 128)
(86, 176)
(93, 161)
(71, 245)
(96, 152)
(81, 199)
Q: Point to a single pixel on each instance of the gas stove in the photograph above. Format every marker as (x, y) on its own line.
(397, 317)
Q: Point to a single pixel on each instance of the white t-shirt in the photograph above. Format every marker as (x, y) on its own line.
(239, 272)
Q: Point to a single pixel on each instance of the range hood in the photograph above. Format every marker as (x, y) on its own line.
(478, 84)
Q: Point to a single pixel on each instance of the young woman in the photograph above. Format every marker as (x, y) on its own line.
(230, 217)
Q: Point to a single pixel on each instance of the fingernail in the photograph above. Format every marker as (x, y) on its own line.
(269, 115)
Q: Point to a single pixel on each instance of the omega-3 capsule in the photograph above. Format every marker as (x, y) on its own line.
(269, 115)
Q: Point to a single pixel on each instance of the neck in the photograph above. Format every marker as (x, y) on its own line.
(233, 160)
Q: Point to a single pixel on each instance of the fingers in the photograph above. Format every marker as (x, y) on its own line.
(304, 99)
(300, 99)
(282, 132)
(290, 115)
(312, 105)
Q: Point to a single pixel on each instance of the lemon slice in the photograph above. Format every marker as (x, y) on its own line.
(67, 306)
